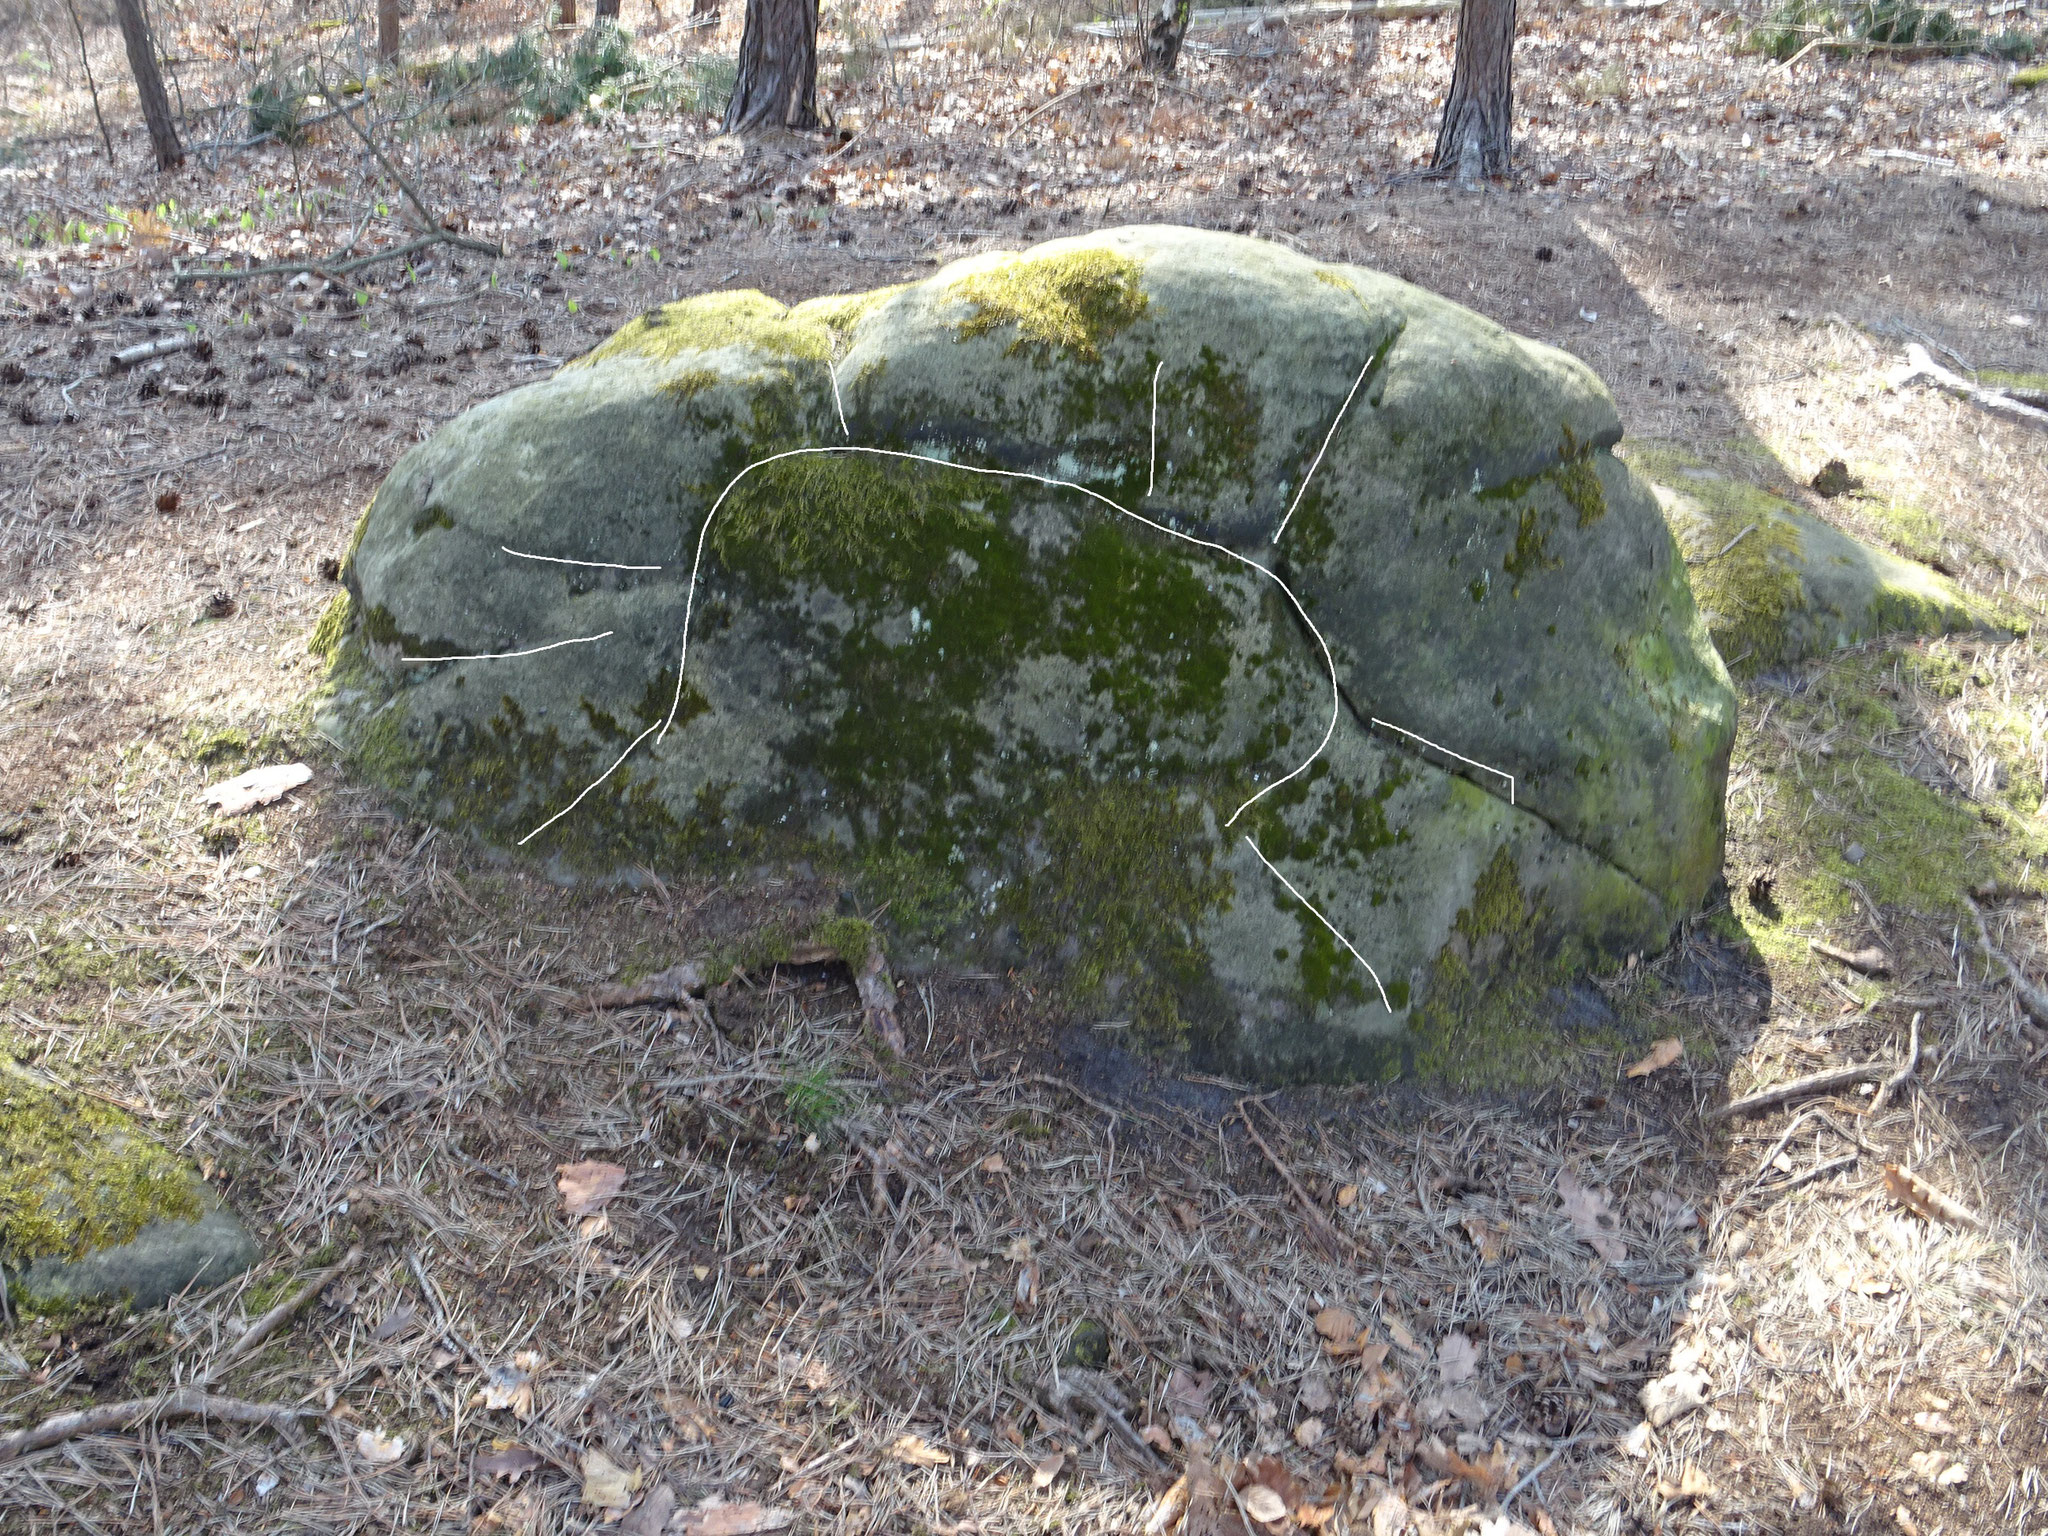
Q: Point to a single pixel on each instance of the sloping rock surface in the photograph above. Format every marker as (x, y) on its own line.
(1024, 720)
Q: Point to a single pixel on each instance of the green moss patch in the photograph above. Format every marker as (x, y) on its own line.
(75, 1175)
(713, 320)
(1069, 302)
(327, 635)
(1129, 877)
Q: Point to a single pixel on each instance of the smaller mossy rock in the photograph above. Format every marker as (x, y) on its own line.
(1778, 585)
(91, 1210)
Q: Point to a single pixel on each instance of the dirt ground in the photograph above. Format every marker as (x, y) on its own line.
(1021, 1280)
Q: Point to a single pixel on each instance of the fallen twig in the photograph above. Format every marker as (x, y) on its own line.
(1325, 1229)
(1717, 554)
(1064, 96)
(326, 268)
(1899, 1078)
(1798, 1088)
(185, 1403)
(2032, 999)
(1870, 961)
(1923, 1199)
(275, 1318)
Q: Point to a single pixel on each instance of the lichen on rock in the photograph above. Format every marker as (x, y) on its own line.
(1023, 721)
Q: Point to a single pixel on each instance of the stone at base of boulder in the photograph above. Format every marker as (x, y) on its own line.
(160, 1261)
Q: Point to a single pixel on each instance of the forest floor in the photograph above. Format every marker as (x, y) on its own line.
(843, 1291)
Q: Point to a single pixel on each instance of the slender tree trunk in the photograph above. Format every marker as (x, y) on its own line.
(149, 85)
(1476, 137)
(777, 84)
(565, 13)
(607, 10)
(1164, 34)
(91, 84)
(387, 30)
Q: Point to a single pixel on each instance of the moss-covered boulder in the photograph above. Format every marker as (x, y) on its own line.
(1778, 585)
(92, 1210)
(1023, 720)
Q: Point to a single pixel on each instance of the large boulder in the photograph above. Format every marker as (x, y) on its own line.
(1022, 720)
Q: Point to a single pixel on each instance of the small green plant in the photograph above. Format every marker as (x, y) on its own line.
(814, 1099)
(1891, 23)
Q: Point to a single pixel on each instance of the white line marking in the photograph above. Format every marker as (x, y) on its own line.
(1152, 475)
(1375, 975)
(1317, 462)
(600, 565)
(555, 645)
(832, 373)
(1447, 752)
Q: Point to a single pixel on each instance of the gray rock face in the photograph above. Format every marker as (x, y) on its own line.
(163, 1260)
(1046, 721)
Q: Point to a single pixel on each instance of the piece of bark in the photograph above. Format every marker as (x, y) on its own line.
(677, 985)
(259, 786)
(878, 999)
(1869, 961)
(144, 351)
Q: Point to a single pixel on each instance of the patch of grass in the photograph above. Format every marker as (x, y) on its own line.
(1893, 23)
(531, 81)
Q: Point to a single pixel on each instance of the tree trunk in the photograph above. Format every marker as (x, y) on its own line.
(607, 10)
(565, 13)
(1165, 33)
(387, 30)
(777, 84)
(1476, 137)
(149, 85)
(92, 85)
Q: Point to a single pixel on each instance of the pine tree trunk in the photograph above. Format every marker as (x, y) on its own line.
(565, 13)
(777, 84)
(387, 29)
(1165, 33)
(149, 85)
(607, 10)
(1476, 137)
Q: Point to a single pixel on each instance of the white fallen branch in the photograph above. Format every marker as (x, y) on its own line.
(1919, 365)
(144, 351)
(259, 786)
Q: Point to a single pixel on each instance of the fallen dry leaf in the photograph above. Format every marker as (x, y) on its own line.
(993, 1163)
(259, 786)
(1457, 1359)
(516, 1514)
(1048, 1469)
(1166, 1512)
(1398, 1332)
(396, 1321)
(1347, 1196)
(1484, 1237)
(745, 1519)
(1692, 1484)
(606, 1484)
(1592, 1217)
(1339, 1330)
(509, 1387)
(380, 1449)
(1264, 1505)
(650, 1516)
(1661, 1055)
(588, 1187)
(1923, 1199)
(508, 1460)
(916, 1451)
(1308, 1433)
(1934, 1423)
(1674, 1396)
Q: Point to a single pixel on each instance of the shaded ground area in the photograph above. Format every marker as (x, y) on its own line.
(855, 1288)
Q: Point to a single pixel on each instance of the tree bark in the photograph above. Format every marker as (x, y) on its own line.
(149, 84)
(607, 10)
(565, 13)
(1476, 138)
(1165, 33)
(387, 30)
(777, 83)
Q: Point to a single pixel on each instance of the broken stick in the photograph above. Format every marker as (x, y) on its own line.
(185, 1403)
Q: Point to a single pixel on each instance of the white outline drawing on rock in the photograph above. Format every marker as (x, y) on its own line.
(1051, 482)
